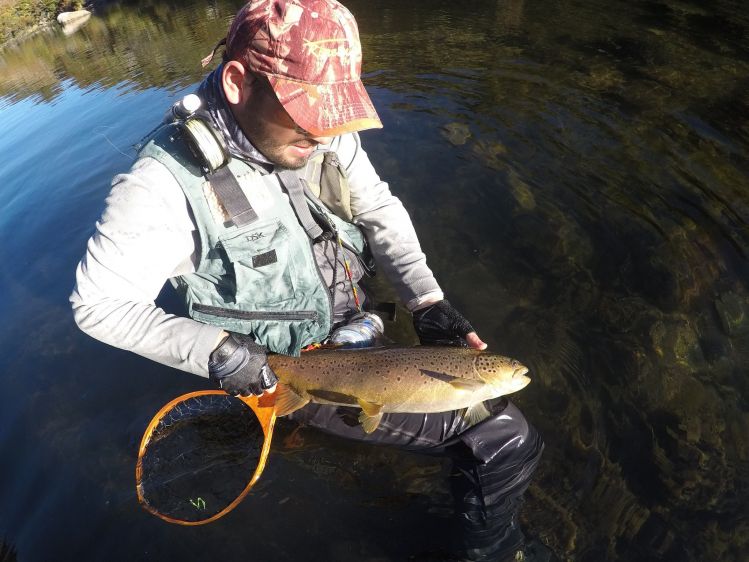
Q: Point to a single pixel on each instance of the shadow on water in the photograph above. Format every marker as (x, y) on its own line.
(577, 172)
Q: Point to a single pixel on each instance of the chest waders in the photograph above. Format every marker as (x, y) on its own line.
(256, 273)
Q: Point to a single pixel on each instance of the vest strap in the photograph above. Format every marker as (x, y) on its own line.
(294, 188)
(231, 196)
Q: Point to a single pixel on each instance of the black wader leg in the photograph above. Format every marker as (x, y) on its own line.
(488, 485)
(493, 462)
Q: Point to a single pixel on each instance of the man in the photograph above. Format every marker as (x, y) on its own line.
(259, 204)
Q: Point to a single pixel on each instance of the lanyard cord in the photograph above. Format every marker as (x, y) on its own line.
(347, 267)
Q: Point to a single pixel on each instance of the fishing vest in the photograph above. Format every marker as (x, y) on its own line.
(258, 275)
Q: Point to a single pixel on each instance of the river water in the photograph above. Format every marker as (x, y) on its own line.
(577, 171)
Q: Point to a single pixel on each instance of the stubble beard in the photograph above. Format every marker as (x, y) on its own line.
(275, 154)
(273, 151)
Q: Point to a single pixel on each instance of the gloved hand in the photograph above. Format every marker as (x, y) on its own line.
(240, 366)
(441, 324)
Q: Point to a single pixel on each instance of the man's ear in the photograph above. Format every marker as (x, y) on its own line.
(233, 80)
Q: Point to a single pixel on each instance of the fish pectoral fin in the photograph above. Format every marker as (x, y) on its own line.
(369, 423)
(466, 384)
(370, 408)
(476, 413)
(288, 400)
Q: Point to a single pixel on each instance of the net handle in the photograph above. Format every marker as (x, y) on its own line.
(264, 408)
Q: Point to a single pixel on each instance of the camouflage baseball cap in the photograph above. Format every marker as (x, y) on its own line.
(311, 54)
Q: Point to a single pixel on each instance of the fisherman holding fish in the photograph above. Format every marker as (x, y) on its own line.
(257, 201)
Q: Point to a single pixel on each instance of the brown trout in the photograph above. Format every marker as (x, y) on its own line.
(379, 380)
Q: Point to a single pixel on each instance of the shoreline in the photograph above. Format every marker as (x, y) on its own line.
(20, 20)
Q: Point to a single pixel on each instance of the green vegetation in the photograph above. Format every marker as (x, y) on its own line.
(148, 44)
(19, 17)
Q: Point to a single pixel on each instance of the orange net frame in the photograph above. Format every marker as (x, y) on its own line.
(197, 451)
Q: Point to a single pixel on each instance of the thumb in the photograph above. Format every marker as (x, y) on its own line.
(474, 341)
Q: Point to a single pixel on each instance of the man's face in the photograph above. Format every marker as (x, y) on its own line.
(270, 128)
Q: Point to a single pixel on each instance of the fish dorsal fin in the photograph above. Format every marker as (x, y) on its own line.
(476, 413)
(370, 408)
(288, 400)
(466, 384)
(369, 423)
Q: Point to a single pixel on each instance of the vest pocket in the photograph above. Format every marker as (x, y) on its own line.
(262, 264)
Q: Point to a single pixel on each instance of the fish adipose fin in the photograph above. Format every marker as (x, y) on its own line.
(476, 413)
(370, 416)
(288, 400)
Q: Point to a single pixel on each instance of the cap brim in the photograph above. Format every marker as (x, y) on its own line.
(327, 110)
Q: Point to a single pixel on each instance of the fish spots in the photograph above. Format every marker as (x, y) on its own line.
(344, 376)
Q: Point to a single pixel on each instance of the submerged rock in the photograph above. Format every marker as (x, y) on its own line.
(456, 133)
(490, 153)
(521, 191)
(733, 311)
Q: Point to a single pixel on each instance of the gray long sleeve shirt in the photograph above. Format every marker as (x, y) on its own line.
(147, 235)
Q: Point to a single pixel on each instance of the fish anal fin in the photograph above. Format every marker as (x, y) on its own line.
(370, 408)
(466, 384)
(476, 413)
(288, 400)
(369, 423)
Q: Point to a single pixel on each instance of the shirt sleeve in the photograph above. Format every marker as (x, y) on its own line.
(388, 227)
(144, 237)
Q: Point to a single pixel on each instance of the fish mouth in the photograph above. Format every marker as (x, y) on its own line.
(519, 372)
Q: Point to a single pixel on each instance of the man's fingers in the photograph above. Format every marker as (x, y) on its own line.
(473, 340)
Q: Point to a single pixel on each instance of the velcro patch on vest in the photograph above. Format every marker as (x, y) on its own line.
(266, 258)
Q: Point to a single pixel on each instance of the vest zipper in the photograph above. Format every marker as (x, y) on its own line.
(256, 314)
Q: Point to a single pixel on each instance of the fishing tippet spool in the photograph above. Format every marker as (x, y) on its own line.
(207, 144)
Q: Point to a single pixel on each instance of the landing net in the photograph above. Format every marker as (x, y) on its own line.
(199, 457)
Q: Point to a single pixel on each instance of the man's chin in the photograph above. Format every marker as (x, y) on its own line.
(296, 156)
(291, 163)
